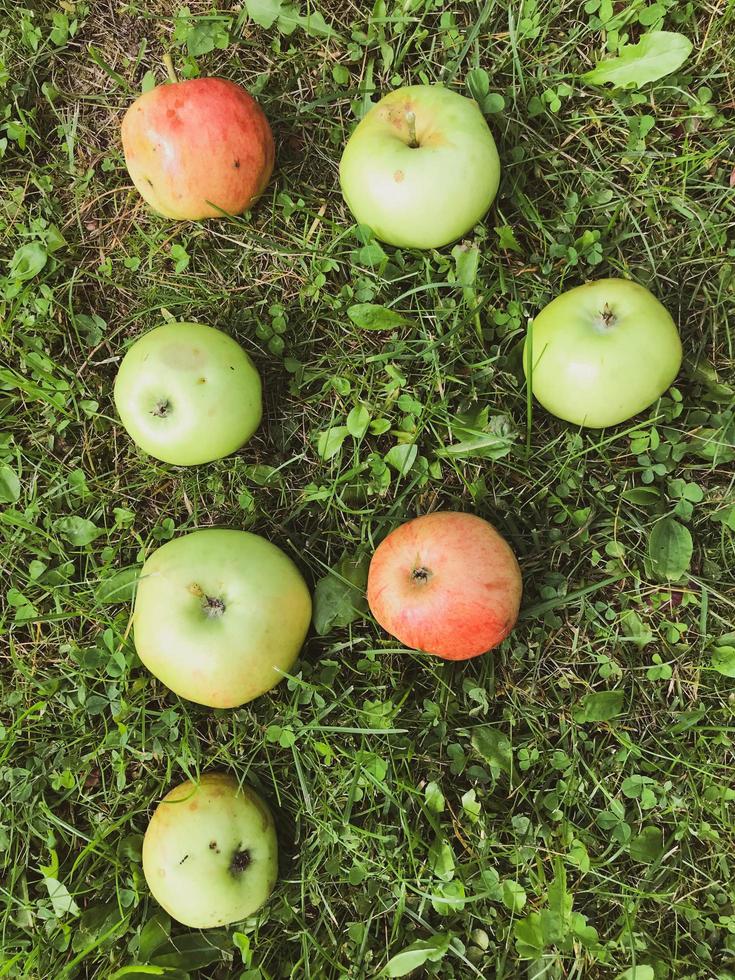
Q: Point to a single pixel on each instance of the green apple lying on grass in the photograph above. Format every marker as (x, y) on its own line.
(219, 615)
(602, 353)
(210, 854)
(187, 394)
(421, 169)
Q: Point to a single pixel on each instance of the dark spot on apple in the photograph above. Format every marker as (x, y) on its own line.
(421, 574)
(213, 846)
(162, 409)
(149, 181)
(231, 367)
(240, 861)
(202, 381)
(183, 859)
(236, 164)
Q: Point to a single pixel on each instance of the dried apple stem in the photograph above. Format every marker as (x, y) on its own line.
(411, 122)
(170, 70)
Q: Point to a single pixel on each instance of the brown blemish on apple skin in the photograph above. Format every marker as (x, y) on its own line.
(193, 806)
(398, 176)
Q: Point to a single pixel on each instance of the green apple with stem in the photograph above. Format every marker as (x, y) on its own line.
(601, 353)
(210, 854)
(220, 616)
(421, 168)
(187, 394)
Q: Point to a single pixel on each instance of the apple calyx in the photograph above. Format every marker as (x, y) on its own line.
(240, 861)
(162, 408)
(607, 316)
(211, 605)
(421, 575)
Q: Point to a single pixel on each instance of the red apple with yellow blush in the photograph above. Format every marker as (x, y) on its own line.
(198, 148)
(446, 583)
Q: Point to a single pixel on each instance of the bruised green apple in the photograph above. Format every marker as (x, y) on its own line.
(187, 394)
(198, 149)
(210, 854)
(220, 615)
(602, 353)
(421, 169)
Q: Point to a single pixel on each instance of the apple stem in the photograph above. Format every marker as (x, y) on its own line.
(411, 121)
(170, 70)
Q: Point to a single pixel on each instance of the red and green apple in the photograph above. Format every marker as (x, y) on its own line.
(446, 583)
(198, 149)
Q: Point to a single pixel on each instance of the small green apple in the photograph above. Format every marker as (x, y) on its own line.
(421, 169)
(220, 615)
(210, 854)
(187, 394)
(602, 352)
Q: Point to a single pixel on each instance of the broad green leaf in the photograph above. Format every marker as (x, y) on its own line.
(369, 316)
(61, 899)
(441, 859)
(413, 956)
(494, 748)
(466, 261)
(330, 441)
(722, 659)
(339, 596)
(725, 516)
(657, 54)
(192, 951)
(634, 627)
(507, 238)
(402, 457)
(77, 530)
(514, 895)
(358, 421)
(600, 706)
(434, 797)
(641, 972)
(487, 445)
(153, 935)
(529, 936)
(264, 12)
(9, 485)
(648, 846)
(28, 261)
(670, 549)
(643, 496)
(120, 587)
(448, 897)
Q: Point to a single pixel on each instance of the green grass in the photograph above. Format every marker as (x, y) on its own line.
(414, 799)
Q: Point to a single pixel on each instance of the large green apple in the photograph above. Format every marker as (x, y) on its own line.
(220, 615)
(602, 353)
(210, 854)
(188, 394)
(421, 169)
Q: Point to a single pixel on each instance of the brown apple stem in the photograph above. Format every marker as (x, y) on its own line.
(170, 70)
(411, 121)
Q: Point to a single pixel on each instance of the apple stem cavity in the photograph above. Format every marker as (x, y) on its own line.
(170, 70)
(240, 861)
(411, 122)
